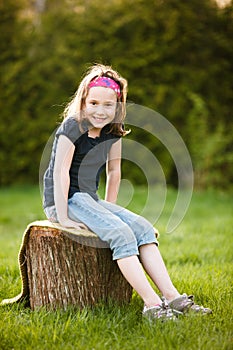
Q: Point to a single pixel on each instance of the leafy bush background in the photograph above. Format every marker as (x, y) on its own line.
(177, 57)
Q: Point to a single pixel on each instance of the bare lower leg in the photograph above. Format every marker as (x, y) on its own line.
(153, 263)
(133, 272)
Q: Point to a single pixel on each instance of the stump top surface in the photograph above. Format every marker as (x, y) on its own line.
(45, 224)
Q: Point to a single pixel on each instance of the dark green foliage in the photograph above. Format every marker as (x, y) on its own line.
(177, 57)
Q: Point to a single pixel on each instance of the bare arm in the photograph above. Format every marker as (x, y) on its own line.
(63, 159)
(113, 171)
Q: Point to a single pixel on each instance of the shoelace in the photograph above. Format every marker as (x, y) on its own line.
(197, 307)
(165, 306)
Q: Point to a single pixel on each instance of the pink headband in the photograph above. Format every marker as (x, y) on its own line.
(106, 82)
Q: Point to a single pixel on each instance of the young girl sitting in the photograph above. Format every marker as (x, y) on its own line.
(88, 141)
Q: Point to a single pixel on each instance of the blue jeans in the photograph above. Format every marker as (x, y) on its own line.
(123, 230)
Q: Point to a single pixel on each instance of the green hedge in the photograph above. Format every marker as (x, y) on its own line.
(175, 55)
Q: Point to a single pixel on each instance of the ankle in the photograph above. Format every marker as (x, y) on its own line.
(148, 307)
(171, 296)
(153, 302)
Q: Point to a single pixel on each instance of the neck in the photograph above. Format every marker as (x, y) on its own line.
(94, 132)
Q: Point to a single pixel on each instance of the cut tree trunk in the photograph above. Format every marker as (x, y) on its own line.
(62, 271)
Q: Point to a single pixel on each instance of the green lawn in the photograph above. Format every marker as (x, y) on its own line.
(198, 255)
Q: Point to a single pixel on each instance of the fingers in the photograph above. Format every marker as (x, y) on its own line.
(156, 233)
(73, 224)
(78, 225)
(82, 226)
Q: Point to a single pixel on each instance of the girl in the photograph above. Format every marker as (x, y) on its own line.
(89, 140)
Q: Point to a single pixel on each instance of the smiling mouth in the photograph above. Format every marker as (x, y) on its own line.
(99, 119)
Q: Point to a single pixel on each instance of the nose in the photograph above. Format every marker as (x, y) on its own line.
(100, 110)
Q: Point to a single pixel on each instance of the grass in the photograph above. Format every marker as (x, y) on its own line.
(198, 255)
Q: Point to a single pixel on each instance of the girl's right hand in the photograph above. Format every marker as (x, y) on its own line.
(73, 224)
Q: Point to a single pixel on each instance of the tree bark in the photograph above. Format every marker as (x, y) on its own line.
(62, 271)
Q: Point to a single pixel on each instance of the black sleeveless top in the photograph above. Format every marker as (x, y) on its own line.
(88, 161)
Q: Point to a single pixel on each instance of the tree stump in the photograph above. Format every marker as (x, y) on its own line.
(62, 271)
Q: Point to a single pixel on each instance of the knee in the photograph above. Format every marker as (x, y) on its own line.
(124, 245)
(123, 236)
(143, 229)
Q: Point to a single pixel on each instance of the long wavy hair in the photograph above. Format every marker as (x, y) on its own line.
(76, 106)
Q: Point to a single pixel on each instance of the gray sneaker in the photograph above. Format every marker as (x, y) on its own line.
(185, 303)
(182, 304)
(199, 308)
(160, 312)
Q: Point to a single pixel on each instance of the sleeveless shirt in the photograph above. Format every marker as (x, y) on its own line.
(89, 160)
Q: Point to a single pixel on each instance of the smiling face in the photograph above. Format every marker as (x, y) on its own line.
(100, 107)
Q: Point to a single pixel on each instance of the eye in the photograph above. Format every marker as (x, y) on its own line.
(93, 103)
(109, 104)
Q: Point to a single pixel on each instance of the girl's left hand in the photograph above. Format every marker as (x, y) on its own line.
(73, 224)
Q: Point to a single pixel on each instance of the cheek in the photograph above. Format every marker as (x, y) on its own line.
(112, 115)
(112, 111)
(89, 109)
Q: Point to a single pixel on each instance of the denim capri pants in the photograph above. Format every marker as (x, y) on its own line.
(123, 230)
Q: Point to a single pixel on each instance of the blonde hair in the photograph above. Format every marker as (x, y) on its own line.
(76, 105)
